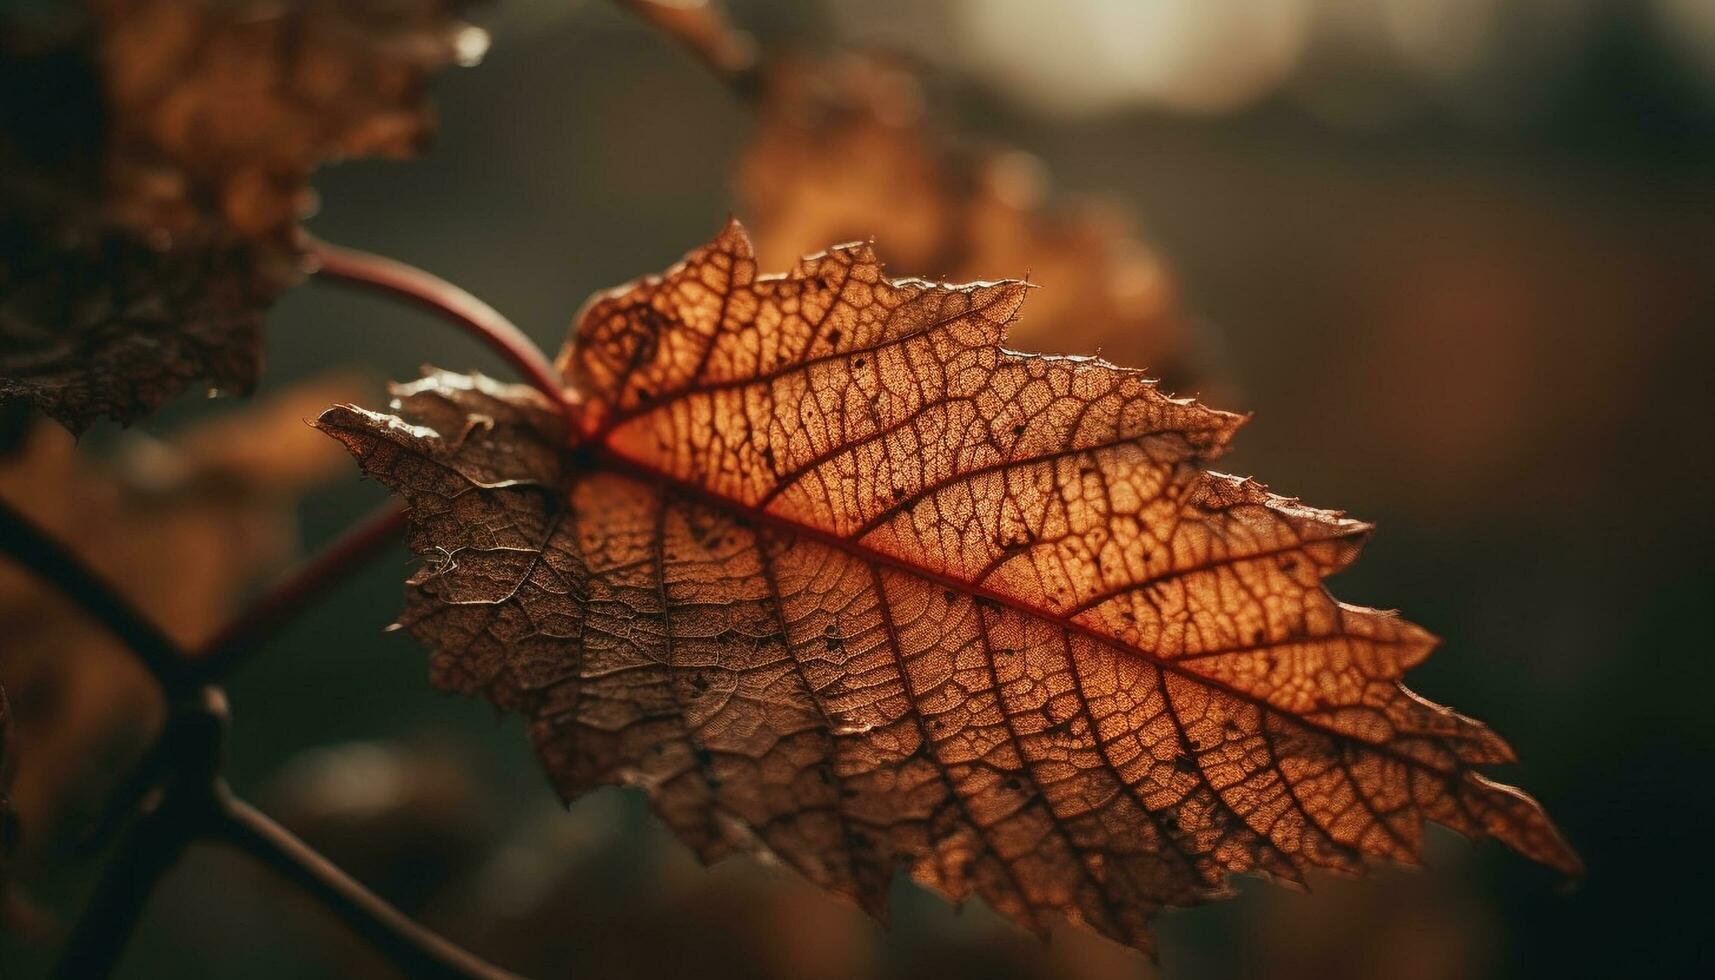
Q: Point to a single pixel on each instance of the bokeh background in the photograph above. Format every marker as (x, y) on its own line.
(1457, 256)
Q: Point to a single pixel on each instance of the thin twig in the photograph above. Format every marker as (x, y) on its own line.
(311, 579)
(416, 951)
(701, 27)
(352, 267)
(147, 851)
(192, 744)
(126, 801)
(54, 563)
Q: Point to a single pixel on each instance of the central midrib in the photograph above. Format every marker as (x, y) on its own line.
(617, 462)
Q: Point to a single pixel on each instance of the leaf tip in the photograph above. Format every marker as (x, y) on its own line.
(733, 239)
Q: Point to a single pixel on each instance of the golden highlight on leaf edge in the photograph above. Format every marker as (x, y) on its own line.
(834, 576)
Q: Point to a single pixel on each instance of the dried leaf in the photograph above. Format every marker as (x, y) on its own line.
(181, 528)
(150, 206)
(837, 578)
(842, 151)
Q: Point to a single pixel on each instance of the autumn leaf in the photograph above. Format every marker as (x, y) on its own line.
(842, 150)
(154, 162)
(181, 528)
(836, 578)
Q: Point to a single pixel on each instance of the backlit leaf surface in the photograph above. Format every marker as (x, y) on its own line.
(835, 577)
